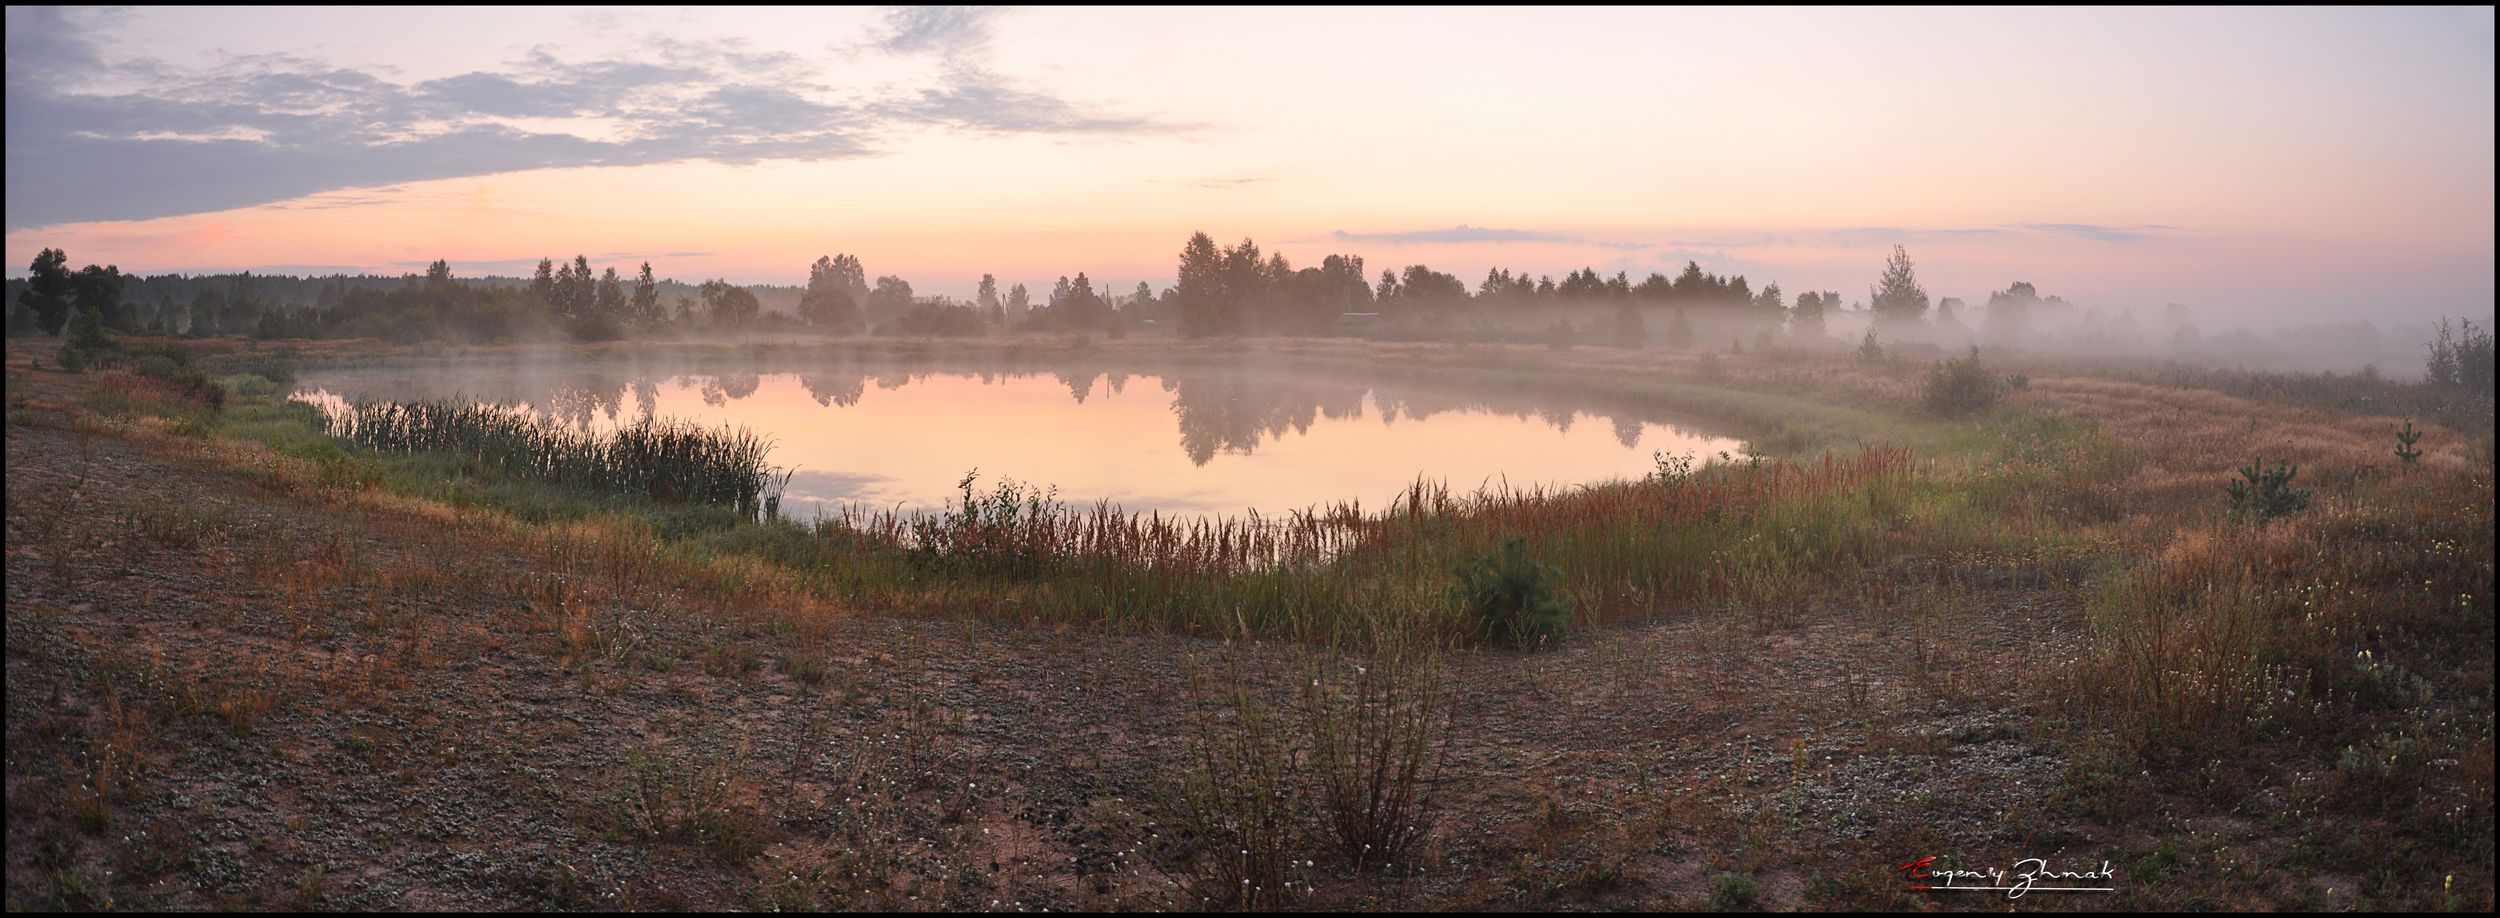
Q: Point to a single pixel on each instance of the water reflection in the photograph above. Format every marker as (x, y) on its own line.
(904, 431)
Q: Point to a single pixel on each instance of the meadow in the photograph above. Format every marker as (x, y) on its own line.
(2230, 633)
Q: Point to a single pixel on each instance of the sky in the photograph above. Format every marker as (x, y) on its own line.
(2264, 166)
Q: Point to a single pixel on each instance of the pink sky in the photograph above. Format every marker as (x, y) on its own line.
(2268, 165)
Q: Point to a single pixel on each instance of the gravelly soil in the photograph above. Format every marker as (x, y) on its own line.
(284, 699)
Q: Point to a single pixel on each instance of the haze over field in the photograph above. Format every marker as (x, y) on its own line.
(2269, 167)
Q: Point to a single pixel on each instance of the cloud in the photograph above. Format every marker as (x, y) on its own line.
(1887, 235)
(2101, 233)
(970, 96)
(945, 30)
(1463, 233)
(1223, 184)
(975, 99)
(265, 128)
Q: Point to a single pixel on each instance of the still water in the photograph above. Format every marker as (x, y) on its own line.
(1195, 440)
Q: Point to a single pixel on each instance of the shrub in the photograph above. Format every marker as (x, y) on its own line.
(173, 366)
(1961, 386)
(87, 347)
(1376, 755)
(1734, 892)
(1512, 598)
(1237, 804)
(2460, 358)
(2267, 493)
(1869, 351)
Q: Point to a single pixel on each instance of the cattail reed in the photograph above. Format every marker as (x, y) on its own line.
(670, 462)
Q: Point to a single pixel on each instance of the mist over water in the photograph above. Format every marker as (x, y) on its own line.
(1215, 441)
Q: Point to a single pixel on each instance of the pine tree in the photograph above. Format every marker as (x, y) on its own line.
(1898, 299)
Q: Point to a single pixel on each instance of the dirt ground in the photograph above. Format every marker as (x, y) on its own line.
(223, 691)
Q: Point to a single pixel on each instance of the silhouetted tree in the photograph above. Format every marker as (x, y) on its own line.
(611, 301)
(646, 304)
(729, 305)
(100, 289)
(47, 291)
(1898, 299)
(2009, 312)
(1083, 309)
(1199, 296)
(544, 283)
(827, 303)
(889, 301)
(1805, 320)
(987, 296)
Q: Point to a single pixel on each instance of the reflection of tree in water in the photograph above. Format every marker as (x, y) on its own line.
(842, 389)
(1627, 430)
(721, 390)
(579, 403)
(1560, 417)
(1079, 385)
(1233, 411)
(1219, 408)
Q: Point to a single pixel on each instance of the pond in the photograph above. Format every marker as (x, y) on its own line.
(1197, 440)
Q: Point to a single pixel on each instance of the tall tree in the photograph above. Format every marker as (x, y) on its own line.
(1898, 299)
(1767, 305)
(438, 274)
(47, 291)
(1200, 288)
(828, 302)
(609, 303)
(1019, 301)
(646, 297)
(986, 296)
(1083, 308)
(890, 300)
(730, 305)
(100, 289)
(1805, 320)
(208, 312)
(2009, 312)
(544, 283)
(851, 277)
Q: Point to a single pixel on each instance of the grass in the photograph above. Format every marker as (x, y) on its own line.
(2325, 677)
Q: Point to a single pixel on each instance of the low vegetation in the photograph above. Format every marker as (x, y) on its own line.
(2059, 586)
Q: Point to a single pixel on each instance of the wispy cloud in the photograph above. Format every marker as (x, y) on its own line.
(1886, 235)
(1227, 183)
(2136, 233)
(1463, 233)
(263, 128)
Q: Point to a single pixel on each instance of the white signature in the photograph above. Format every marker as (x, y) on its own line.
(2031, 874)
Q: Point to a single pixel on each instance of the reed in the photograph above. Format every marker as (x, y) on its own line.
(1341, 573)
(663, 461)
